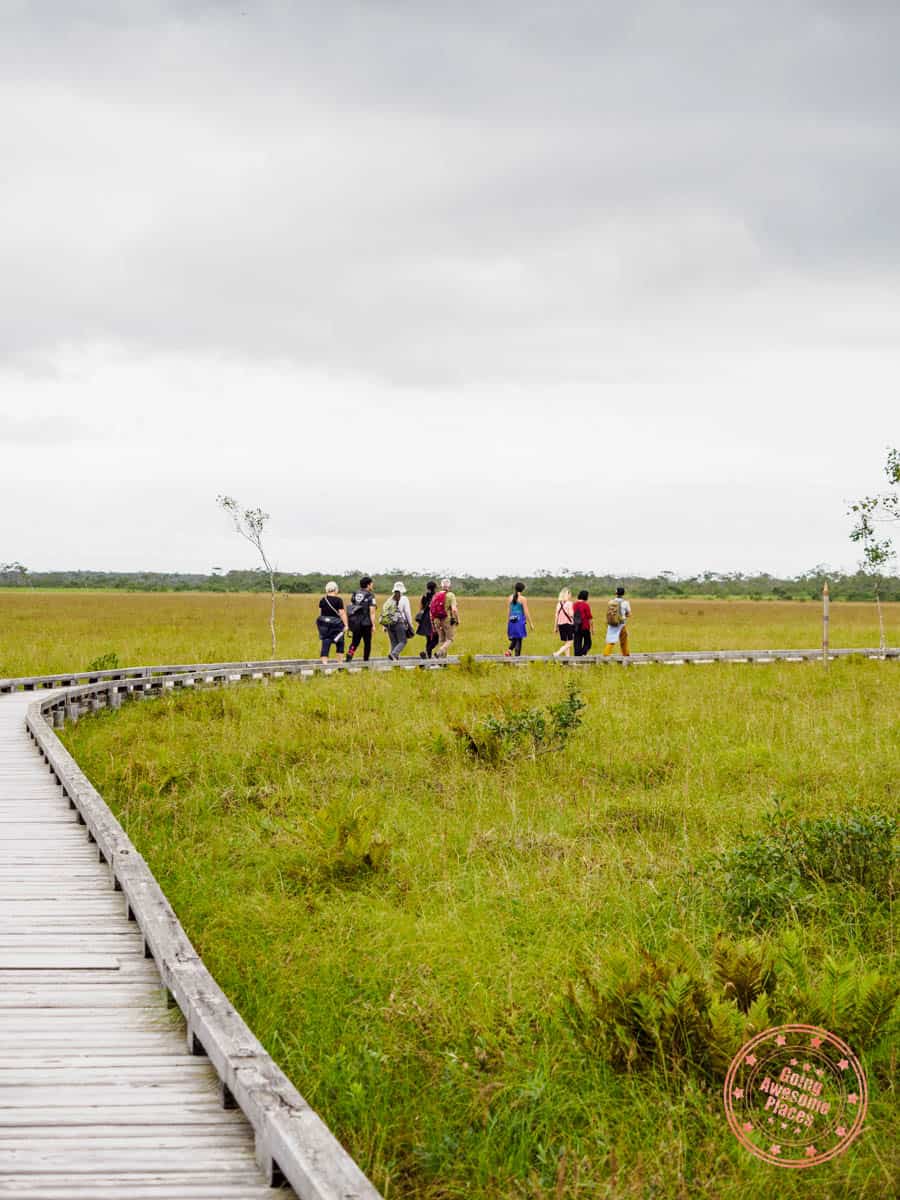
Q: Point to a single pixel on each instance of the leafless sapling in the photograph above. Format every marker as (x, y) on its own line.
(249, 523)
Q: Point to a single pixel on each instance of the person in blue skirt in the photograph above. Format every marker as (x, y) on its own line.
(518, 621)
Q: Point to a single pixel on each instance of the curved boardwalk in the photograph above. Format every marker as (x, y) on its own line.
(99, 1097)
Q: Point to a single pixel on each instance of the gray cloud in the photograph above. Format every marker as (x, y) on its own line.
(433, 193)
(492, 262)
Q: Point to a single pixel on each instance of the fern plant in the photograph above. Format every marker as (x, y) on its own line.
(674, 1013)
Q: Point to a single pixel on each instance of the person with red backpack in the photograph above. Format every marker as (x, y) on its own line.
(444, 618)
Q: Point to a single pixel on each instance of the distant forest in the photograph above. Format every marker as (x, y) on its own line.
(708, 584)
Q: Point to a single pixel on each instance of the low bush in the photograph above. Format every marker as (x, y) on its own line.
(104, 662)
(524, 731)
(785, 869)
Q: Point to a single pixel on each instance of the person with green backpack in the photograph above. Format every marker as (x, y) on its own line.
(396, 619)
(618, 610)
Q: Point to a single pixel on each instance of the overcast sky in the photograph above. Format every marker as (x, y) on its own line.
(475, 286)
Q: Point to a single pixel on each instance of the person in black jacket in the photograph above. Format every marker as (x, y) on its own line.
(424, 624)
(361, 618)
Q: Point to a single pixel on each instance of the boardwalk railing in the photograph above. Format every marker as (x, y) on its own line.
(292, 1143)
(151, 678)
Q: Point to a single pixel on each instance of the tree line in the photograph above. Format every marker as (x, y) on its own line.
(706, 584)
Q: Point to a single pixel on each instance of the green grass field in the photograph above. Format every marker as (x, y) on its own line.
(66, 631)
(515, 976)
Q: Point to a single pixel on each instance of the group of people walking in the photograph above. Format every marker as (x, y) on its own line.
(574, 623)
(437, 620)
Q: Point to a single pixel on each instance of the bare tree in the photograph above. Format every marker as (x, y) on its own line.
(881, 509)
(249, 523)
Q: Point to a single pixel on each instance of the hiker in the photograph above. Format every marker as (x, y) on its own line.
(444, 618)
(565, 623)
(424, 625)
(583, 620)
(618, 610)
(361, 618)
(331, 622)
(518, 620)
(396, 619)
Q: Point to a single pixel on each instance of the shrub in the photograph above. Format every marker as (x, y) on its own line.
(525, 731)
(104, 662)
(785, 868)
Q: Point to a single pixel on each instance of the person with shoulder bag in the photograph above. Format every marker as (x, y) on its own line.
(331, 623)
(517, 621)
(565, 623)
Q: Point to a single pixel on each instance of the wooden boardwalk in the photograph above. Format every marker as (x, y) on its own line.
(99, 1097)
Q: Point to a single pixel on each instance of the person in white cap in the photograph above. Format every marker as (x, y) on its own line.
(396, 617)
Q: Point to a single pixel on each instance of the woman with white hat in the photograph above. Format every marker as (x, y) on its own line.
(396, 617)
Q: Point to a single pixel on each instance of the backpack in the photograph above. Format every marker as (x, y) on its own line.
(577, 614)
(358, 609)
(439, 605)
(390, 613)
(423, 622)
(613, 612)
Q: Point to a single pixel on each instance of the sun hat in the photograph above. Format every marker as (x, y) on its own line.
(400, 586)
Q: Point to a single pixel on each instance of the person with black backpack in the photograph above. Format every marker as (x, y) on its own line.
(424, 625)
(361, 618)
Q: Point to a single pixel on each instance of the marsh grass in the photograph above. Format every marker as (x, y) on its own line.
(66, 631)
(407, 927)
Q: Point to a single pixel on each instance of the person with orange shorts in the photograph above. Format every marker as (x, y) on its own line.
(616, 631)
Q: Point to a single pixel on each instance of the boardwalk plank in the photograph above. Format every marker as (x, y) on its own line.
(99, 1099)
(140, 1187)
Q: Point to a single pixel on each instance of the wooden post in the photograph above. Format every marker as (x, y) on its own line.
(825, 624)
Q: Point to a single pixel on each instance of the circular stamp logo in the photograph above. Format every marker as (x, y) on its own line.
(795, 1095)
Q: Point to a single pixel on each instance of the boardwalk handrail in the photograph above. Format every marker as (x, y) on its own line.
(292, 1142)
(293, 666)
